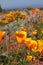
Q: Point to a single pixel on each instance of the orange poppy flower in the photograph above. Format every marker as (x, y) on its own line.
(40, 46)
(20, 36)
(34, 32)
(28, 42)
(37, 10)
(1, 34)
(9, 18)
(32, 12)
(31, 44)
(41, 15)
(5, 21)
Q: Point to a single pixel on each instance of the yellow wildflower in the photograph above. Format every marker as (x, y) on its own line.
(29, 58)
(21, 36)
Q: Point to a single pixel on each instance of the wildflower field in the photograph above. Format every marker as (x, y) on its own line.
(21, 37)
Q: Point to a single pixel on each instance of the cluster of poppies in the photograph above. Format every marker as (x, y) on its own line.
(38, 14)
(33, 45)
(29, 34)
(13, 16)
(20, 15)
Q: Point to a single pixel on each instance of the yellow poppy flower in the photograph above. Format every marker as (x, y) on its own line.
(29, 58)
(21, 36)
(33, 45)
(28, 42)
(40, 46)
(34, 32)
